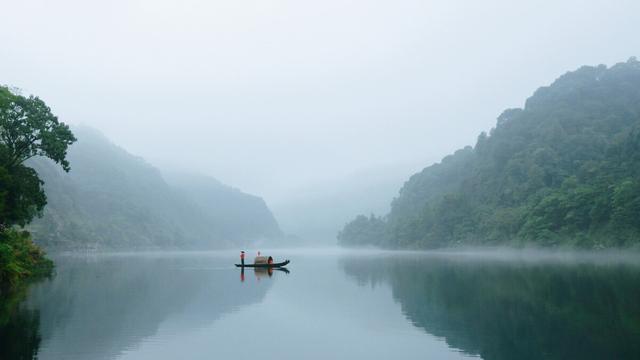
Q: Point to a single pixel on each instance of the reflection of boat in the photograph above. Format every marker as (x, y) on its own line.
(263, 271)
(265, 265)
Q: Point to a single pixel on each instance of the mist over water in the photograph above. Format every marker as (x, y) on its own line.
(206, 127)
(338, 304)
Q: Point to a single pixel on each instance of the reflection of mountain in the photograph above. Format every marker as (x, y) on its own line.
(523, 311)
(107, 305)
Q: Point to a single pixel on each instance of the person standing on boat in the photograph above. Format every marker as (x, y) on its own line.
(242, 258)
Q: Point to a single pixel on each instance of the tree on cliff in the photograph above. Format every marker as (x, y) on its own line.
(27, 129)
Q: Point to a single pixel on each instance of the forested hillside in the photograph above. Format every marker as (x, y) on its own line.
(114, 200)
(564, 170)
(231, 213)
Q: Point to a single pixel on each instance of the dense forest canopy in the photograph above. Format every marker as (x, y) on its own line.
(564, 170)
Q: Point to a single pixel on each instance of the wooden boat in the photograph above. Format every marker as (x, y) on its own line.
(265, 265)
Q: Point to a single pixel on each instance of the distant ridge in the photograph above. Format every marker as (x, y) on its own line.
(114, 200)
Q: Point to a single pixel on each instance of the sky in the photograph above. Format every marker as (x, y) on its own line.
(273, 96)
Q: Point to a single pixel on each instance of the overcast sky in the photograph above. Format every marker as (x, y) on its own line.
(270, 96)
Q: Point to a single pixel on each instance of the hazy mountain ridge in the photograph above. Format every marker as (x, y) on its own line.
(315, 213)
(242, 215)
(564, 170)
(113, 200)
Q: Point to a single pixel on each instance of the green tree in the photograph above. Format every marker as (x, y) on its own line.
(562, 171)
(27, 129)
(363, 230)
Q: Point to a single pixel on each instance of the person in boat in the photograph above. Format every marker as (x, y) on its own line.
(242, 258)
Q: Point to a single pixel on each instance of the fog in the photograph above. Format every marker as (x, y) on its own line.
(363, 304)
(279, 98)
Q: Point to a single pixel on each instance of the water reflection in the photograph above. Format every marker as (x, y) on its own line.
(171, 306)
(100, 307)
(262, 272)
(19, 327)
(515, 310)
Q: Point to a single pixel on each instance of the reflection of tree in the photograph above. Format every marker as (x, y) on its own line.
(509, 311)
(19, 333)
(102, 307)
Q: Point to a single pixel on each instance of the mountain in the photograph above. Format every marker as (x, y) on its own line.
(234, 214)
(113, 200)
(315, 213)
(562, 171)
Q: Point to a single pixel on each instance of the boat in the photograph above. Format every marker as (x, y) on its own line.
(266, 265)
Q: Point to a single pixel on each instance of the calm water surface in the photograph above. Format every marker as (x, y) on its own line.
(332, 305)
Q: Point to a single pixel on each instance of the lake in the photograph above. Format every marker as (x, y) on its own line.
(332, 304)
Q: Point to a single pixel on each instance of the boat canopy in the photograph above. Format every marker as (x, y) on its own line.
(263, 260)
